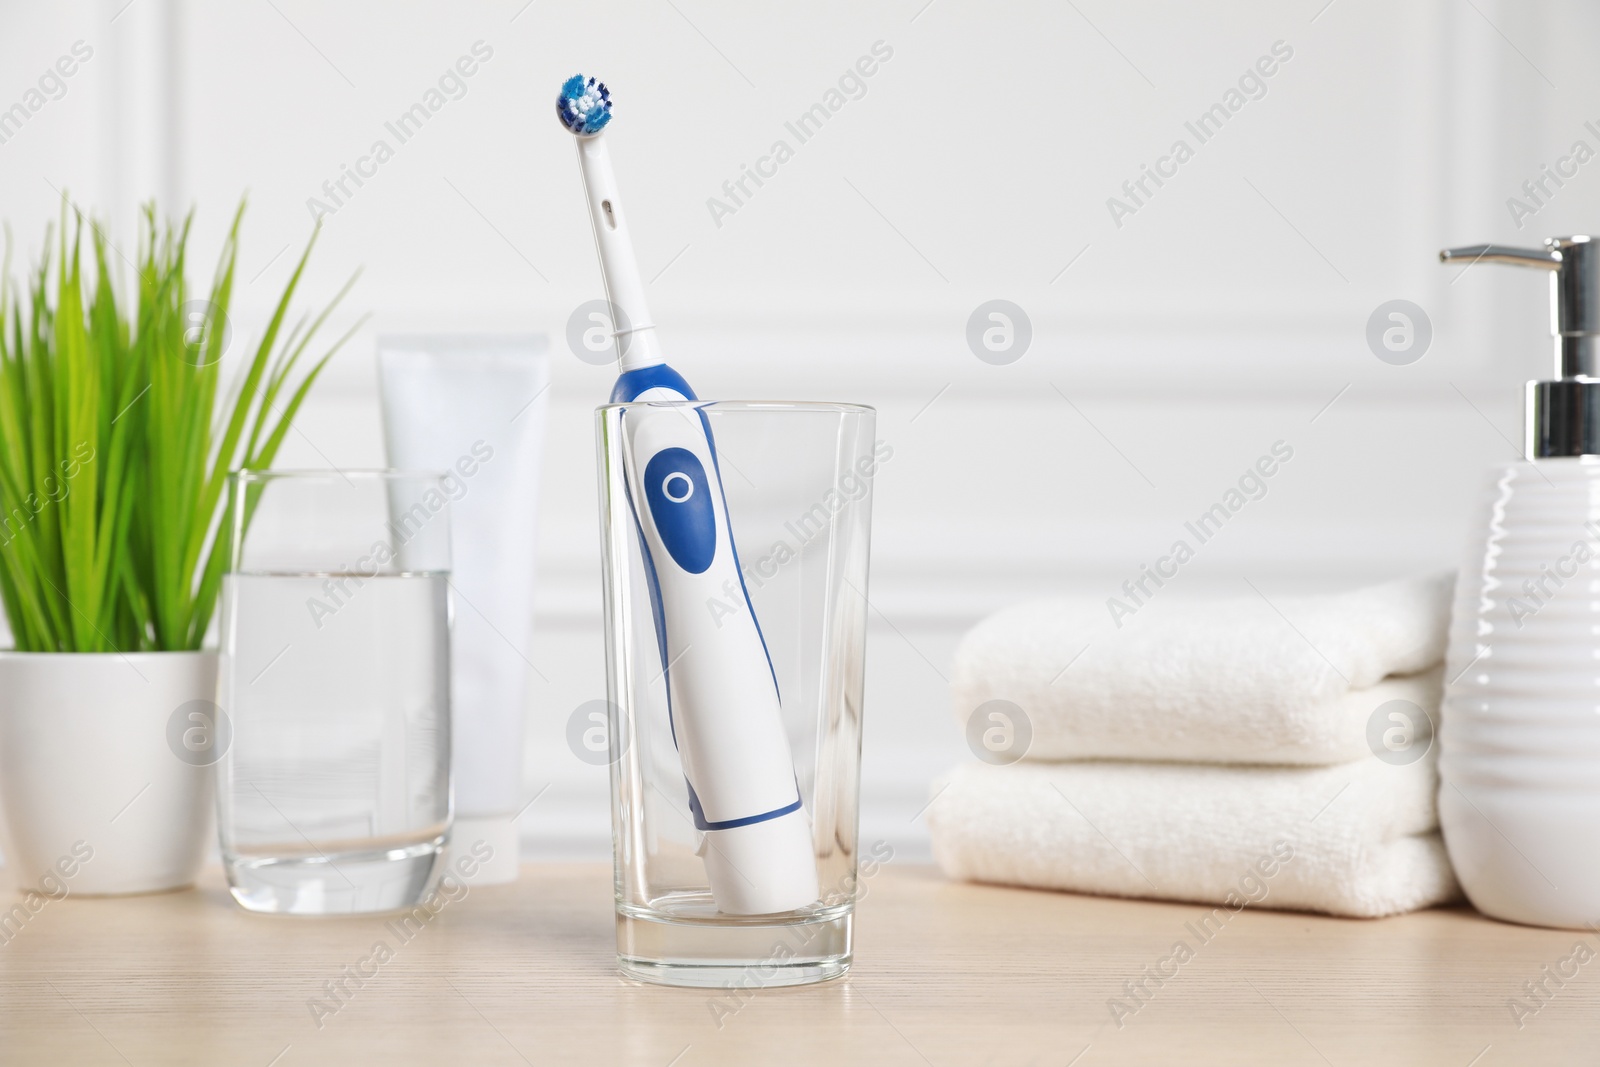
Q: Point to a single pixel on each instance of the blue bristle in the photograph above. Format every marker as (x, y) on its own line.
(584, 105)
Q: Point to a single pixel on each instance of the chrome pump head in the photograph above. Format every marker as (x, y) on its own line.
(1563, 414)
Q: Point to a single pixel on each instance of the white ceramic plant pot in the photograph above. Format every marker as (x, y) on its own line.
(101, 774)
(1519, 744)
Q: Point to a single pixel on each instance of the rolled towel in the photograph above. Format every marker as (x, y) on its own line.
(1357, 839)
(1244, 680)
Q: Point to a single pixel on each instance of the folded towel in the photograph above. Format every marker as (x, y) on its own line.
(1235, 681)
(1356, 839)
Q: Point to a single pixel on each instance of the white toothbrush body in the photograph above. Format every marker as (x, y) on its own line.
(722, 692)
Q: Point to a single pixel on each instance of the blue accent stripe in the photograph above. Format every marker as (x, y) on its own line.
(656, 611)
(631, 383)
(734, 548)
(733, 824)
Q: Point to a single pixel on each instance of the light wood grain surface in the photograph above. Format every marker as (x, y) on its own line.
(945, 974)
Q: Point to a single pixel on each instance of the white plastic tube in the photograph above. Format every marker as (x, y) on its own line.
(474, 406)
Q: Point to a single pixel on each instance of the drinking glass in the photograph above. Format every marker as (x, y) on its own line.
(797, 481)
(333, 794)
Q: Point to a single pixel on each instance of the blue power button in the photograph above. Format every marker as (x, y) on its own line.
(679, 496)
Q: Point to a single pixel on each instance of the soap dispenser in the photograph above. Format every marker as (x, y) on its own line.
(1519, 741)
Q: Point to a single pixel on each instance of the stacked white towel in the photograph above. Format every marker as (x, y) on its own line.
(1202, 744)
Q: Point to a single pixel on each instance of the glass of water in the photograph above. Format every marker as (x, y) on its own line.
(333, 794)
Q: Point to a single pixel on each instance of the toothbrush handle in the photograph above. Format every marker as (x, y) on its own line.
(722, 692)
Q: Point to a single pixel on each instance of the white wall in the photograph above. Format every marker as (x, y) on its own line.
(1220, 317)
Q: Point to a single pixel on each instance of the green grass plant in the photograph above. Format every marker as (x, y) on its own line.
(115, 442)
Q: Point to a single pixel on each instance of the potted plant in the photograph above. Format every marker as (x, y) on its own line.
(114, 446)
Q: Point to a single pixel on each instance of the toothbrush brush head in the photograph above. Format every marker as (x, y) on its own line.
(584, 105)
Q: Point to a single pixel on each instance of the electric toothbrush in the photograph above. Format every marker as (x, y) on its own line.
(722, 691)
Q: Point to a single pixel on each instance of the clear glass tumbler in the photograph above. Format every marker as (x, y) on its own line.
(734, 677)
(333, 794)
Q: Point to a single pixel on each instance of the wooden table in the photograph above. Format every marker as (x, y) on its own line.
(945, 974)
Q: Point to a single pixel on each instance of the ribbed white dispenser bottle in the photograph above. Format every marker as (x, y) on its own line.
(1519, 755)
